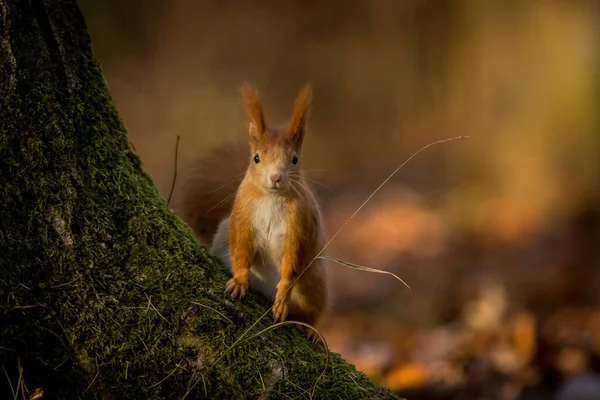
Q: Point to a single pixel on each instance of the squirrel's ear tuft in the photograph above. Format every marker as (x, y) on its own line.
(254, 109)
(297, 125)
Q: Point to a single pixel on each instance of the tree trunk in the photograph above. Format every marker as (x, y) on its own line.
(104, 292)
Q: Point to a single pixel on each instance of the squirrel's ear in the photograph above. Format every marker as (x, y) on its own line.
(297, 125)
(254, 109)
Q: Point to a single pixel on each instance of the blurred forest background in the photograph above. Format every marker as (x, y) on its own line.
(497, 235)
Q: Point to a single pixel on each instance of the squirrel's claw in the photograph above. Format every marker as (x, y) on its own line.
(310, 334)
(280, 310)
(236, 288)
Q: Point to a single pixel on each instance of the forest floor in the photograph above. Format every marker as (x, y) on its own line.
(512, 312)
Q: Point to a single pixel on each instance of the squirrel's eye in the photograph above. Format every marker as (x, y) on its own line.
(295, 160)
(256, 158)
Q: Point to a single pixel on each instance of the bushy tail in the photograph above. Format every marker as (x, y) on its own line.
(209, 188)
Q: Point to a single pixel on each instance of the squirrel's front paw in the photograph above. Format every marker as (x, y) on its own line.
(236, 287)
(280, 309)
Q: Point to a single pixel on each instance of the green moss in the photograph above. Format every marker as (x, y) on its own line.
(98, 278)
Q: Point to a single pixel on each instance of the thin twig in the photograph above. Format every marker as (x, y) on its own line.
(204, 383)
(21, 381)
(165, 378)
(262, 381)
(28, 306)
(144, 343)
(64, 284)
(148, 306)
(93, 380)
(357, 385)
(362, 268)
(212, 309)
(155, 309)
(190, 387)
(303, 392)
(174, 171)
(12, 390)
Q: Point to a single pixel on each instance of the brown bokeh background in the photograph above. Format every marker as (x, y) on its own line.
(497, 235)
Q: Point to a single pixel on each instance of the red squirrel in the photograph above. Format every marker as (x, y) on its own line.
(272, 229)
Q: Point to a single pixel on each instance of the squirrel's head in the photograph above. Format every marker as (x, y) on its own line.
(275, 156)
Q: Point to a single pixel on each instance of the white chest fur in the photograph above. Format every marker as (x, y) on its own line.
(270, 228)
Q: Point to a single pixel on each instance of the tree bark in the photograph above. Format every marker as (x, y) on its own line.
(104, 292)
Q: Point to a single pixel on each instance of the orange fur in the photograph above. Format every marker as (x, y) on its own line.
(300, 115)
(274, 229)
(254, 109)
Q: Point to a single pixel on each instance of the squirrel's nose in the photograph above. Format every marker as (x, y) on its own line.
(275, 177)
